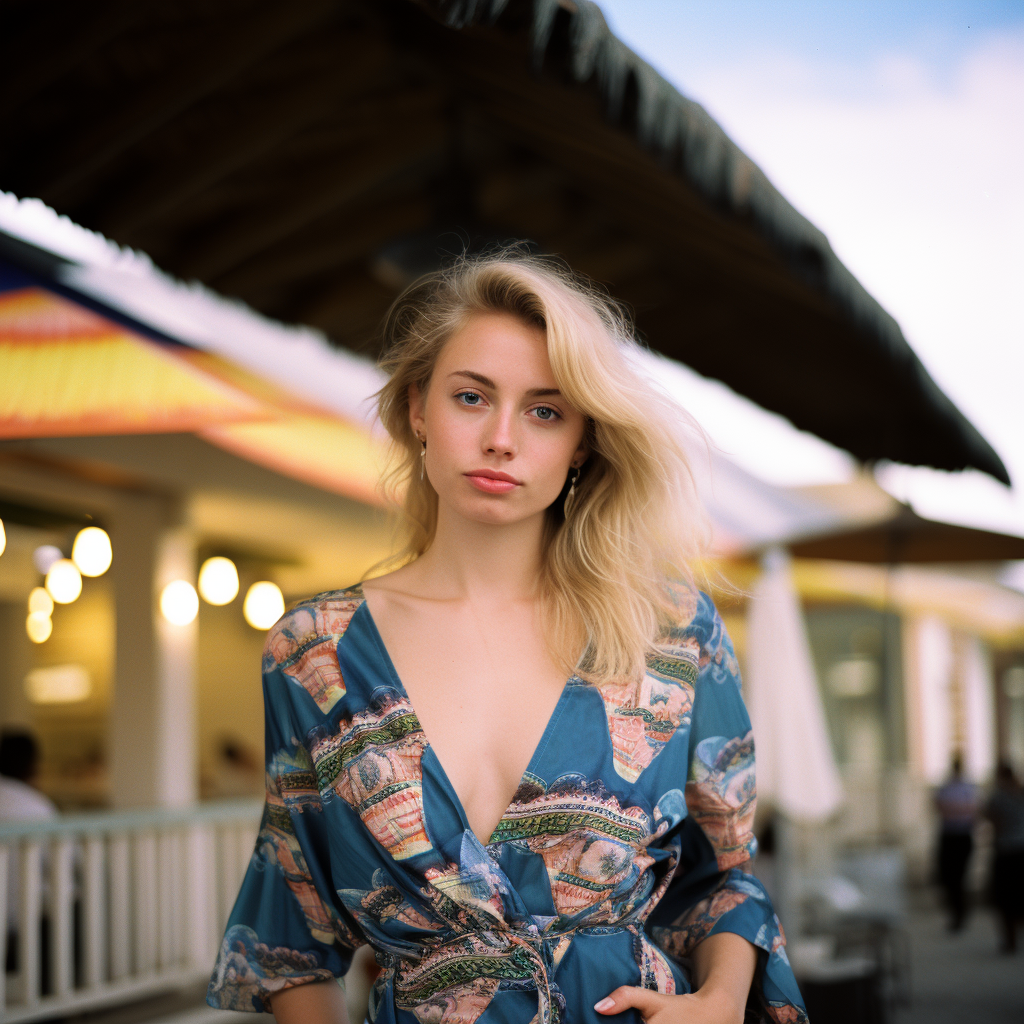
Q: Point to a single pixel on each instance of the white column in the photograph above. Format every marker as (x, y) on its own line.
(177, 768)
(979, 710)
(930, 655)
(152, 720)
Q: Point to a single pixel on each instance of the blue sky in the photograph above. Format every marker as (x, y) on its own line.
(898, 129)
(853, 32)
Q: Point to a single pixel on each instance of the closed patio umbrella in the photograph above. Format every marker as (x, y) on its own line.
(796, 769)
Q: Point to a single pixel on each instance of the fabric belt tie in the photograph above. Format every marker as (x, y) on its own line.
(485, 957)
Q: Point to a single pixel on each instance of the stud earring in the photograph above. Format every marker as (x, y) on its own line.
(572, 492)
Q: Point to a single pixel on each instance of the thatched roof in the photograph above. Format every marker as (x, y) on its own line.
(309, 157)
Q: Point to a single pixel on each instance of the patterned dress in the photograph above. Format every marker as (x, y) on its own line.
(623, 847)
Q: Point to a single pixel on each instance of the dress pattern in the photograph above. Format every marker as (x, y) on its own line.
(623, 847)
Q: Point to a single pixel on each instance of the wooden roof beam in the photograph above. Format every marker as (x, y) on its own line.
(349, 307)
(49, 51)
(214, 64)
(308, 199)
(348, 235)
(233, 143)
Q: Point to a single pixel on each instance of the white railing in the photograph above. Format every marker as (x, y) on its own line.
(111, 907)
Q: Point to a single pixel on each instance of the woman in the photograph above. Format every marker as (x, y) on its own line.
(477, 763)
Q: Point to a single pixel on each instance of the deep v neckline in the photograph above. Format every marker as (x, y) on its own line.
(529, 770)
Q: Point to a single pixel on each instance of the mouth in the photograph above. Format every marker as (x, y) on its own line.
(491, 481)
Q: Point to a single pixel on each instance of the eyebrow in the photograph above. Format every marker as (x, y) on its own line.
(488, 383)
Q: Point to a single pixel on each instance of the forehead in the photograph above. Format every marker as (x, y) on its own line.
(499, 346)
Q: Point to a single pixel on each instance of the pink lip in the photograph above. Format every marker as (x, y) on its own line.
(492, 482)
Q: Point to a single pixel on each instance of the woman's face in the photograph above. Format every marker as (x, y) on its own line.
(501, 438)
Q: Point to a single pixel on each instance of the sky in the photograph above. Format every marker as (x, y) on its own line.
(898, 130)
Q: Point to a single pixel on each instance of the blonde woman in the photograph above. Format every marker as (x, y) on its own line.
(519, 765)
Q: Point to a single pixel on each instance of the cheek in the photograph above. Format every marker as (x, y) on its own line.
(448, 436)
(552, 459)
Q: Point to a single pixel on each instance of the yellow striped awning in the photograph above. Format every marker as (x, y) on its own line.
(66, 371)
(302, 440)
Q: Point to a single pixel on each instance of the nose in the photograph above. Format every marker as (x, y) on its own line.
(499, 437)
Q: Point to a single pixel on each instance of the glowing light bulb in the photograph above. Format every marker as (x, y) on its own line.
(39, 626)
(264, 605)
(44, 556)
(92, 552)
(40, 601)
(218, 580)
(3, 537)
(64, 581)
(179, 602)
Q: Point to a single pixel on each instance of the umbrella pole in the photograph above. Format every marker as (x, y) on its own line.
(892, 711)
(787, 875)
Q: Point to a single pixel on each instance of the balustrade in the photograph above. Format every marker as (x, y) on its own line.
(112, 907)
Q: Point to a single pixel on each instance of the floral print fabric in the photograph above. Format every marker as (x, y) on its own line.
(621, 850)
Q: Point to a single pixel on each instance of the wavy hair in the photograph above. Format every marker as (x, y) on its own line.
(617, 564)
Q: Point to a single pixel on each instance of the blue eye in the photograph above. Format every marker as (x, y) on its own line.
(469, 397)
(546, 413)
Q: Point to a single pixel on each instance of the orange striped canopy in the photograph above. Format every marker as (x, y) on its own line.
(66, 370)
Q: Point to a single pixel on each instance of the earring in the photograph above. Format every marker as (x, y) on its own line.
(423, 457)
(572, 492)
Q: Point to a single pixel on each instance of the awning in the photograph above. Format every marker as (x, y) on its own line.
(65, 370)
(68, 370)
(907, 537)
(310, 158)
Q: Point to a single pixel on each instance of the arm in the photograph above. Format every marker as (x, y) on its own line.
(288, 929)
(714, 914)
(322, 1002)
(723, 970)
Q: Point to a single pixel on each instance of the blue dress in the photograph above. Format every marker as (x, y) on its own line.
(623, 847)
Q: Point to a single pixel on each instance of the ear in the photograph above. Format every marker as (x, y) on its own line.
(579, 456)
(416, 418)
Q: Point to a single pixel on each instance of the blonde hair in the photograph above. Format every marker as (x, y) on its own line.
(634, 525)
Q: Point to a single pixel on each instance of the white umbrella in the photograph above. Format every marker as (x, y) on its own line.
(796, 769)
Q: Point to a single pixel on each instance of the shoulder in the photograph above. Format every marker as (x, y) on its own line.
(682, 644)
(21, 802)
(695, 618)
(320, 619)
(698, 628)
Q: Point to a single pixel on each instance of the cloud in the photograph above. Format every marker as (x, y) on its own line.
(914, 173)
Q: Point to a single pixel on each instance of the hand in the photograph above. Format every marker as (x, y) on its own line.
(708, 1005)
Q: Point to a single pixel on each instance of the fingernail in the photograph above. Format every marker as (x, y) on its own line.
(605, 1004)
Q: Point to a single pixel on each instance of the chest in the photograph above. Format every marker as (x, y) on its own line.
(484, 688)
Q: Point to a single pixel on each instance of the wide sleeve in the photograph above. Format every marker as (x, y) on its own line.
(287, 927)
(712, 890)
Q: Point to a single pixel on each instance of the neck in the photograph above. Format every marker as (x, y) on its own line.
(484, 561)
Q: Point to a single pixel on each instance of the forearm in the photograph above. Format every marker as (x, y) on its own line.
(724, 964)
(319, 1002)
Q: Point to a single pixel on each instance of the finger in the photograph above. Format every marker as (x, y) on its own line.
(626, 996)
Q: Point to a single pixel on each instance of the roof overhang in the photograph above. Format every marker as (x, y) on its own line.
(308, 158)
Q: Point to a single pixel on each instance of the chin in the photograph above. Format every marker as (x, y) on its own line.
(490, 509)
(491, 512)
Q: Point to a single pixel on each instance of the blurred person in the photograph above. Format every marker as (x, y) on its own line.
(1005, 809)
(237, 773)
(20, 800)
(476, 763)
(957, 804)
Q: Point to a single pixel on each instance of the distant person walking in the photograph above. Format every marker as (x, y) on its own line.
(957, 803)
(1005, 809)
